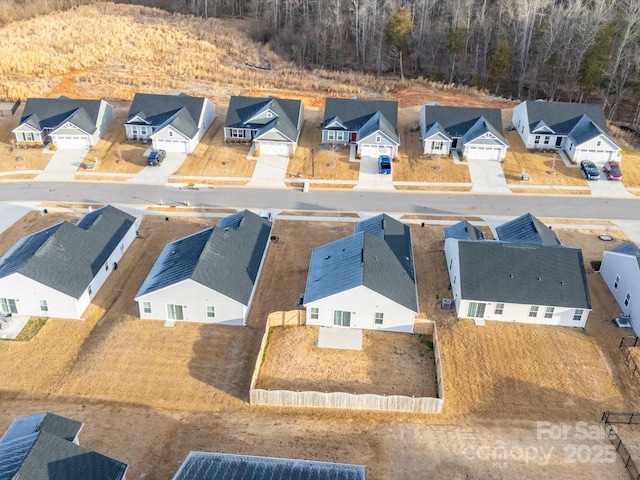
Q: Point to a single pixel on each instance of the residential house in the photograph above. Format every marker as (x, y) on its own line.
(57, 271)
(210, 276)
(529, 230)
(364, 281)
(224, 466)
(620, 270)
(517, 282)
(174, 123)
(472, 133)
(65, 122)
(370, 125)
(272, 124)
(45, 446)
(463, 231)
(577, 129)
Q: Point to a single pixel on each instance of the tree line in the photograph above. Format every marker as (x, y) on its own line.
(571, 50)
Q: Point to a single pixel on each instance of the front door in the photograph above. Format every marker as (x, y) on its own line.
(454, 144)
(353, 137)
(558, 142)
(8, 305)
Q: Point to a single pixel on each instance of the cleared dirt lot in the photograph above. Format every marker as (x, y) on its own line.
(388, 364)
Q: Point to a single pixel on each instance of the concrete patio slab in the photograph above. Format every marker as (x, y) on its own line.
(340, 338)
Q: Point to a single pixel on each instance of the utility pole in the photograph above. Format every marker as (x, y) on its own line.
(313, 165)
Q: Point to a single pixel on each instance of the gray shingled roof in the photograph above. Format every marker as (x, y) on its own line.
(378, 256)
(242, 109)
(584, 130)
(66, 257)
(463, 231)
(181, 111)
(523, 274)
(461, 122)
(356, 114)
(562, 117)
(629, 249)
(43, 113)
(225, 258)
(527, 229)
(47, 422)
(222, 466)
(32, 449)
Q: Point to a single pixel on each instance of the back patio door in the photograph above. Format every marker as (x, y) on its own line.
(8, 305)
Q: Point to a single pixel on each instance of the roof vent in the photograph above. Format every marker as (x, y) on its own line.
(327, 257)
(539, 279)
(561, 282)
(511, 275)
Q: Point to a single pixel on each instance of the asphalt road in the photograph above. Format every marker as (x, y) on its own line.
(333, 200)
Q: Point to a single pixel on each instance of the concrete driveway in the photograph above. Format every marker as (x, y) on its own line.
(11, 213)
(160, 174)
(63, 165)
(608, 188)
(270, 171)
(487, 177)
(370, 179)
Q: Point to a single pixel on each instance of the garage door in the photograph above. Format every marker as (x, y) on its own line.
(274, 148)
(483, 153)
(67, 141)
(171, 145)
(376, 150)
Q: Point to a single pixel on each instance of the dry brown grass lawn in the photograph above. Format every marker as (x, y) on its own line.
(113, 152)
(213, 157)
(388, 364)
(630, 167)
(17, 159)
(537, 165)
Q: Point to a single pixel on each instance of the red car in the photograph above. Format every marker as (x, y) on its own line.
(612, 170)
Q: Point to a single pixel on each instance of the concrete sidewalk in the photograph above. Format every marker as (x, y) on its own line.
(11, 213)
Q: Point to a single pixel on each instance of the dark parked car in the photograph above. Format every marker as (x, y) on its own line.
(589, 170)
(612, 171)
(156, 158)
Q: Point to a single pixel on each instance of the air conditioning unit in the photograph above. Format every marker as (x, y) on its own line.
(446, 304)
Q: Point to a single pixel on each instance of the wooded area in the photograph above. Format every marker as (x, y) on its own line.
(573, 50)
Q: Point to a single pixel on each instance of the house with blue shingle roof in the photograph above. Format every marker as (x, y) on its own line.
(577, 129)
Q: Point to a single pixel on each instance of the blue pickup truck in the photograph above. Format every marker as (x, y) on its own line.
(384, 164)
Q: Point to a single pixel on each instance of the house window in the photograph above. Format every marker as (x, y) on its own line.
(340, 136)
(537, 139)
(450, 263)
(627, 299)
(211, 311)
(89, 289)
(143, 130)
(379, 317)
(378, 138)
(315, 313)
(331, 135)
(341, 319)
(28, 136)
(134, 130)
(598, 144)
(175, 312)
(170, 133)
(577, 315)
(617, 282)
(533, 311)
(476, 309)
(43, 306)
(146, 307)
(106, 267)
(437, 145)
(237, 133)
(499, 309)
(548, 313)
(546, 139)
(8, 305)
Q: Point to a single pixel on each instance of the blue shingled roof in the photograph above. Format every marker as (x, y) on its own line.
(463, 231)
(222, 466)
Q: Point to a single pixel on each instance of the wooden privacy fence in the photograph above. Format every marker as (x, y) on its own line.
(8, 112)
(290, 317)
(395, 403)
(610, 418)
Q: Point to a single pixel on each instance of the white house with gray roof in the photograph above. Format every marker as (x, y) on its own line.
(210, 276)
(518, 282)
(225, 466)
(620, 270)
(56, 272)
(577, 129)
(370, 125)
(174, 123)
(45, 446)
(364, 281)
(272, 124)
(67, 123)
(474, 133)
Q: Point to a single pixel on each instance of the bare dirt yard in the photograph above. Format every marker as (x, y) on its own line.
(389, 364)
(172, 390)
